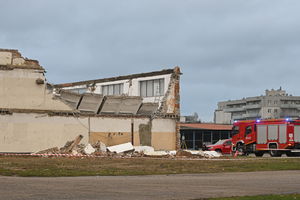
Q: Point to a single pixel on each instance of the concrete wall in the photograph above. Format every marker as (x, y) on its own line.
(159, 133)
(222, 117)
(5, 58)
(24, 132)
(164, 134)
(18, 89)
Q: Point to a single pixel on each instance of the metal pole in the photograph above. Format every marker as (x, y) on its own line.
(202, 137)
(89, 124)
(132, 131)
(194, 138)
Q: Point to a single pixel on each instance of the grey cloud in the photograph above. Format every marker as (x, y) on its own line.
(227, 49)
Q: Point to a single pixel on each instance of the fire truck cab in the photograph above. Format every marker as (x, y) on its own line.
(276, 136)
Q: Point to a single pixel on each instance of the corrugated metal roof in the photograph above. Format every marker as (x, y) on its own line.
(205, 126)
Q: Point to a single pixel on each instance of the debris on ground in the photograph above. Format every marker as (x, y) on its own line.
(184, 153)
(156, 153)
(51, 150)
(100, 146)
(89, 149)
(121, 148)
(126, 150)
(70, 145)
(210, 154)
(143, 149)
(205, 154)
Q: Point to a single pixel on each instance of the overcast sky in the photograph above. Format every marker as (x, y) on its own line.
(227, 49)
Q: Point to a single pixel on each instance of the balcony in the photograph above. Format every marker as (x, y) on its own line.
(290, 106)
(251, 115)
(253, 106)
(237, 109)
(238, 117)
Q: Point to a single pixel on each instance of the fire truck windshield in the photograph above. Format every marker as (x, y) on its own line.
(235, 130)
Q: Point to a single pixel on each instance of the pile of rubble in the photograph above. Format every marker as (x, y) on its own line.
(125, 150)
(75, 148)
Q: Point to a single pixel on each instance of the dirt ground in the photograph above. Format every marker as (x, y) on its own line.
(193, 186)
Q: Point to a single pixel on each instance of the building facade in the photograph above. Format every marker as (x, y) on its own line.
(36, 115)
(274, 104)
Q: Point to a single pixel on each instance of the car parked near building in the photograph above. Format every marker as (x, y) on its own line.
(222, 146)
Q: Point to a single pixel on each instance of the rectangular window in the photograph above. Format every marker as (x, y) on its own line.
(161, 86)
(269, 110)
(114, 89)
(110, 89)
(235, 130)
(117, 89)
(104, 90)
(78, 90)
(143, 88)
(152, 88)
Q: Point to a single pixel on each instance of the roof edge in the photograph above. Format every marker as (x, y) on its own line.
(117, 78)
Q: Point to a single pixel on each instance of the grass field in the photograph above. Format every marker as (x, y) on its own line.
(263, 197)
(38, 166)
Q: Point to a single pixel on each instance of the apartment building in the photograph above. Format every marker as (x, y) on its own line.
(274, 104)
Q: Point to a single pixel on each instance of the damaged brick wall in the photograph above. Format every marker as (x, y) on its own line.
(23, 84)
(11, 58)
(171, 101)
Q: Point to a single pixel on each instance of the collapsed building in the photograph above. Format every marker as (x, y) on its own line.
(34, 115)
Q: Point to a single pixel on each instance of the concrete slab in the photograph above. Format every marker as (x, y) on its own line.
(121, 148)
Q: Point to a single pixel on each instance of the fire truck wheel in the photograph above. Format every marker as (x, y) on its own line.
(240, 149)
(259, 154)
(292, 154)
(275, 153)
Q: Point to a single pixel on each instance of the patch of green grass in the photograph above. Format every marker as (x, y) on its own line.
(264, 197)
(52, 167)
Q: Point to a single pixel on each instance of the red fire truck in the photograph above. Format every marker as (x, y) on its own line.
(276, 136)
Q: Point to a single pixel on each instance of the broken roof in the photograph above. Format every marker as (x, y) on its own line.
(12, 58)
(99, 104)
(118, 78)
(206, 126)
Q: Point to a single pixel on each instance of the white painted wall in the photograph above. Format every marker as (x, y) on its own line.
(134, 89)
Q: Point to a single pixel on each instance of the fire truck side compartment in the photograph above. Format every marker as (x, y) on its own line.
(297, 133)
(261, 134)
(272, 132)
(282, 133)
